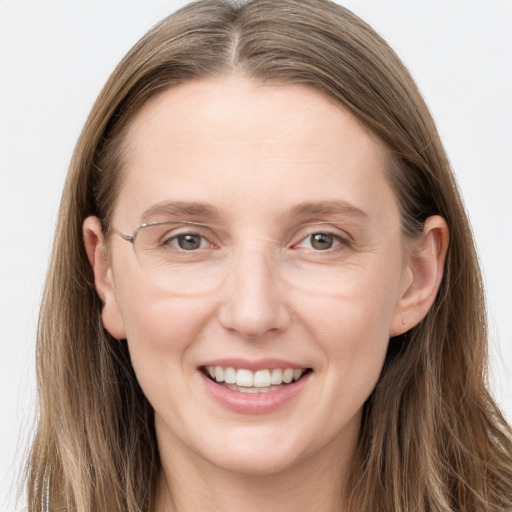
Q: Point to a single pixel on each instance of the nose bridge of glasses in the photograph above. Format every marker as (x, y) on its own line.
(267, 241)
(255, 252)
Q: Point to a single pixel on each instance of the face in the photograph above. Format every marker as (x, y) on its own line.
(283, 259)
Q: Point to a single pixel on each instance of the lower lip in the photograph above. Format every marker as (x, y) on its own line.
(254, 403)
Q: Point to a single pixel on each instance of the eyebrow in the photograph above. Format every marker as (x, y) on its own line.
(180, 208)
(197, 209)
(318, 209)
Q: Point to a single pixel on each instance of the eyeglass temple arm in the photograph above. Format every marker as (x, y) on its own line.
(124, 236)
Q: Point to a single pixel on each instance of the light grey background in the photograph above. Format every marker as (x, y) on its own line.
(55, 56)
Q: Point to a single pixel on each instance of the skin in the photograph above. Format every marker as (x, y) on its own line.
(254, 152)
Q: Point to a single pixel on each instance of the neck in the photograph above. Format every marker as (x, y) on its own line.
(191, 484)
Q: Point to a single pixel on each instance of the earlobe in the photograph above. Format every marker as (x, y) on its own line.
(98, 258)
(424, 273)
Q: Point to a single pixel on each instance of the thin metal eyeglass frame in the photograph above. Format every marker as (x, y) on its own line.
(131, 238)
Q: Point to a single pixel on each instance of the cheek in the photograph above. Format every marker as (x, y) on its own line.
(160, 328)
(161, 333)
(351, 327)
(358, 309)
(353, 333)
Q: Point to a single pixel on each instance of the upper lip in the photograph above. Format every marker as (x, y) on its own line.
(254, 364)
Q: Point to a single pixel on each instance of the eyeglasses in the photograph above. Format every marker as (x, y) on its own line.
(179, 256)
(188, 257)
(152, 230)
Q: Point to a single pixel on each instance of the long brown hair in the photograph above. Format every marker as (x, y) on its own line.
(432, 438)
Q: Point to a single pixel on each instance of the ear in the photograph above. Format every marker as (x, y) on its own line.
(423, 274)
(100, 263)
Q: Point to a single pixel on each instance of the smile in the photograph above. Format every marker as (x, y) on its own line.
(260, 381)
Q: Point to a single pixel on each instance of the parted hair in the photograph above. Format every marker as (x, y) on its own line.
(432, 438)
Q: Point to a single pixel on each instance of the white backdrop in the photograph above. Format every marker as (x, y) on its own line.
(55, 56)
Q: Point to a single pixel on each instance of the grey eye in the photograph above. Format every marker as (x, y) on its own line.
(322, 241)
(189, 241)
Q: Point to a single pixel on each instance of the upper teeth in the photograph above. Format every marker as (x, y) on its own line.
(257, 379)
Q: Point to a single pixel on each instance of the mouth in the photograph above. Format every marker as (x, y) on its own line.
(259, 381)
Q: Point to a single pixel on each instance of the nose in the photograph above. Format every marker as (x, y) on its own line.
(252, 296)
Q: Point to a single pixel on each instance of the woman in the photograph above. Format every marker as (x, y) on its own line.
(264, 290)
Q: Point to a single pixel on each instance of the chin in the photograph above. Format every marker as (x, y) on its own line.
(257, 453)
(257, 463)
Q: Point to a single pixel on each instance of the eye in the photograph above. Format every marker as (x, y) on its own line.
(187, 242)
(320, 241)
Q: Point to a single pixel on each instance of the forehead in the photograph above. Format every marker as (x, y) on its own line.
(219, 140)
(277, 115)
